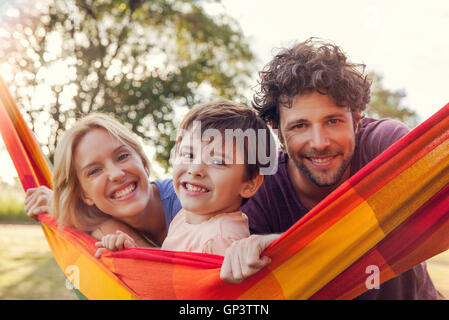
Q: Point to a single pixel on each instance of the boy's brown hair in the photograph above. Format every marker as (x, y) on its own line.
(222, 115)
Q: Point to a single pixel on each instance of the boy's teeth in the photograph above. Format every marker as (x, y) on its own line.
(195, 188)
(125, 191)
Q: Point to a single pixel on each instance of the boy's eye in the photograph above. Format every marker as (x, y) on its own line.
(187, 155)
(219, 162)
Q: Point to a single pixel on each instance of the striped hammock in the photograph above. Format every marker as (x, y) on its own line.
(392, 214)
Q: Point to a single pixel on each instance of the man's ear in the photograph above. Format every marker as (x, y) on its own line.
(251, 186)
(356, 117)
(279, 136)
(86, 199)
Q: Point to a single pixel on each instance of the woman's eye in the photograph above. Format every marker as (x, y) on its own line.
(93, 171)
(123, 156)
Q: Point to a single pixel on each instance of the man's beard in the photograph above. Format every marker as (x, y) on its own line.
(317, 179)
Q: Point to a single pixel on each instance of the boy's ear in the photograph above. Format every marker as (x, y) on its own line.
(251, 186)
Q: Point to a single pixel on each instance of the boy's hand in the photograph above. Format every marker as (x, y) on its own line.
(37, 201)
(243, 258)
(114, 242)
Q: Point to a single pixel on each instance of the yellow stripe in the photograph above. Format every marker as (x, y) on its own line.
(402, 196)
(308, 270)
(94, 282)
(329, 254)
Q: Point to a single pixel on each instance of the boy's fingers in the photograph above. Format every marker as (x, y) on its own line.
(119, 243)
(129, 243)
(99, 244)
(99, 252)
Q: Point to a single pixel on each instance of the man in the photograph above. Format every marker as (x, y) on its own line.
(315, 97)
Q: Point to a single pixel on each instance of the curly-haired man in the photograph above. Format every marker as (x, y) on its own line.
(315, 97)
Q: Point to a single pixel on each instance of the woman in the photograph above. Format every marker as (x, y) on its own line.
(101, 185)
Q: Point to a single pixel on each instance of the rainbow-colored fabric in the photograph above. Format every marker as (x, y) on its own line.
(392, 214)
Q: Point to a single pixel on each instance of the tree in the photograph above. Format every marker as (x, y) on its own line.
(138, 60)
(388, 103)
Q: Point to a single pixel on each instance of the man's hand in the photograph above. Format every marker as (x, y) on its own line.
(243, 258)
(114, 242)
(38, 201)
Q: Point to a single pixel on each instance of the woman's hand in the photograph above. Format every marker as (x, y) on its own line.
(38, 201)
(114, 242)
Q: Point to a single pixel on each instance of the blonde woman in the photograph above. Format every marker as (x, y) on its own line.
(101, 185)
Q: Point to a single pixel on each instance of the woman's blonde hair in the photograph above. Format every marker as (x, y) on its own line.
(67, 206)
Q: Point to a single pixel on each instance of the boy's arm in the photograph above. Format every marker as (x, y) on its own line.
(243, 258)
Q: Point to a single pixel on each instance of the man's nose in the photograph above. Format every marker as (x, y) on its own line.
(319, 138)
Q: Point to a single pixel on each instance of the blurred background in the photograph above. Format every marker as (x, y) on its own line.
(148, 62)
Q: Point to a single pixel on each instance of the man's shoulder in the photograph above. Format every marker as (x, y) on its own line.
(374, 137)
(387, 127)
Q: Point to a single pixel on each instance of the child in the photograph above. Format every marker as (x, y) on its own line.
(217, 167)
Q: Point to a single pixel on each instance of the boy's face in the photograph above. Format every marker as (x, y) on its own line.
(207, 178)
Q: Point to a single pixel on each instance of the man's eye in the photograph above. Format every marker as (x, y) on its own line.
(334, 121)
(299, 126)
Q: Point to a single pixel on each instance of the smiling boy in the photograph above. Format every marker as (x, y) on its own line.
(213, 175)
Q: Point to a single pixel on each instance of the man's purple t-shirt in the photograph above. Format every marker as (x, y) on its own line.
(276, 207)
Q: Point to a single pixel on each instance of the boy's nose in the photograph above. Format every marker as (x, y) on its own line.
(196, 169)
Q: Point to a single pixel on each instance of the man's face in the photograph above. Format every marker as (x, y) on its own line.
(319, 138)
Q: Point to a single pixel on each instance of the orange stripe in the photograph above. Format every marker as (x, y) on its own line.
(302, 236)
(403, 160)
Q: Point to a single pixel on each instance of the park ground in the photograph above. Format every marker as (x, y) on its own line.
(29, 271)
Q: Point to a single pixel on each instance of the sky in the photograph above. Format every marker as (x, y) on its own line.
(404, 41)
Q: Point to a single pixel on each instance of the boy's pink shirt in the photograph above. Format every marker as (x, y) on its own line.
(213, 236)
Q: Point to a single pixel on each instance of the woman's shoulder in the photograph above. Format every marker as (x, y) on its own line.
(165, 187)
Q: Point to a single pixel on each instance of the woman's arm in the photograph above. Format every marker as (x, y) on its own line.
(110, 226)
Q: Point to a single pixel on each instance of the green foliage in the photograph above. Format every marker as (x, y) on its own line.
(138, 60)
(388, 103)
(12, 200)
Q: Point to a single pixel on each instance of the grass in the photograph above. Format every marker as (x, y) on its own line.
(12, 199)
(27, 268)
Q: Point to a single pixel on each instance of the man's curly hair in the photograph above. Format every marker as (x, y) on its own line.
(310, 66)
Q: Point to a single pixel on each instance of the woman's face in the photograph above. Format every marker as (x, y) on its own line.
(112, 175)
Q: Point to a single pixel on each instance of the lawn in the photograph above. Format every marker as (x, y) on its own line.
(29, 271)
(27, 267)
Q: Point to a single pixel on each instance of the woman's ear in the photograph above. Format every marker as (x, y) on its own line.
(86, 199)
(251, 186)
